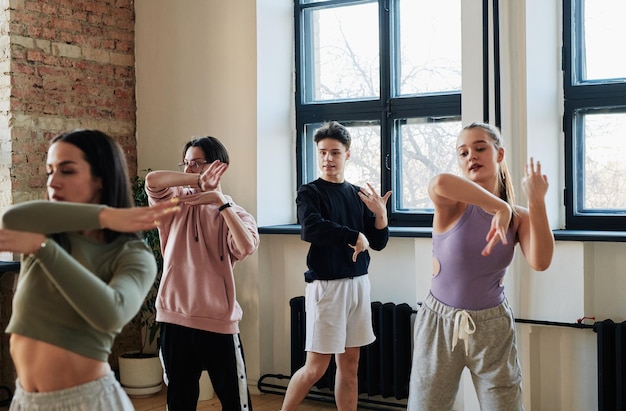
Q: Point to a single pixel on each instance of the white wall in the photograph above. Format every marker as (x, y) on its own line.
(196, 68)
(226, 68)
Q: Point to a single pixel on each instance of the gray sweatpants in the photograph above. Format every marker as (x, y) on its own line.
(491, 358)
(104, 394)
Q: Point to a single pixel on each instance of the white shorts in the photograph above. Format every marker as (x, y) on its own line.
(338, 315)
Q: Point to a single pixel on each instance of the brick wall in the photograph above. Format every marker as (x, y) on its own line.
(64, 64)
(71, 66)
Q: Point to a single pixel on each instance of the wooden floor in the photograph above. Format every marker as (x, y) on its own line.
(262, 402)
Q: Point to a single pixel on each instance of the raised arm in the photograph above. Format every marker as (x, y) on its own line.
(50, 217)
(243, 230)
(53, 217)
(160, 179)
(377, 204)
(105, 303)
(242, 226)
(244, 233)
(26, 226)
(207, 180)
(450, 191)
(536, 238)
(451, 194)
(376, 233)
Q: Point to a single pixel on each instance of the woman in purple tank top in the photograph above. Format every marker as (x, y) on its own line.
(476, 226)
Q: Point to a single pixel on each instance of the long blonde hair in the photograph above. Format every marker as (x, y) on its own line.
(505, 185)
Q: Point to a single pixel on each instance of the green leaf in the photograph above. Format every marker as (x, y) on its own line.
(146, 318)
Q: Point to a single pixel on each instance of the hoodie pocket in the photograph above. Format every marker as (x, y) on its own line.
(194, 293)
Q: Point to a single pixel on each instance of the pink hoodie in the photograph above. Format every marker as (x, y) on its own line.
(197, 286)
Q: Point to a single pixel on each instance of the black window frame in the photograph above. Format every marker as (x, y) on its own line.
(386, 109)
(583, 96)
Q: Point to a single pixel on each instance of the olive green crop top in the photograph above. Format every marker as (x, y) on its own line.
(78, 301)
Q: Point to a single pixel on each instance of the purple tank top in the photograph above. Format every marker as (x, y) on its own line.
(466, 279)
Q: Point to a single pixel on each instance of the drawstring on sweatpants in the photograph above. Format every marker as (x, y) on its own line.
(464, 326)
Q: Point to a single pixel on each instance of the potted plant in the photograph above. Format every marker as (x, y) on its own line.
(141, 373)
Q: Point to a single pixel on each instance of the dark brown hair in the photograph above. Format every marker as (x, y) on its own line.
(107, 162)
(334, 130)
(212, 148)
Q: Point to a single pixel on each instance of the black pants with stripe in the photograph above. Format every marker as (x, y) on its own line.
(186, 352)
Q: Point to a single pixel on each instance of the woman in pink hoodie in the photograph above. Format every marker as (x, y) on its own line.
(196, 304)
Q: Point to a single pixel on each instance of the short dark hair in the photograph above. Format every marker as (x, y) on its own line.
(334, 130)
(212, 148)
(106, 161)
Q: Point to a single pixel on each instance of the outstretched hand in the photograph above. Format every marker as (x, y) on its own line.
(210, 177)
(499, 227)
(22, 242)
(130, 220)
(534, 183)
(124, 220)
(373, 201)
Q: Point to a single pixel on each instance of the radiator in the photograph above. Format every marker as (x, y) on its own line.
(611, 365)
(384, 365)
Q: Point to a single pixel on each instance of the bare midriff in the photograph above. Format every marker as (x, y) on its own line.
(42, 367)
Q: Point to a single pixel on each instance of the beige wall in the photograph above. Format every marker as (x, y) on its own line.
(197, 76)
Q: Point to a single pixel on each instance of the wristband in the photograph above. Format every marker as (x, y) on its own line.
(224, 206)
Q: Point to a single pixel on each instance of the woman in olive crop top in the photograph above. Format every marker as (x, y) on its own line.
(476, 226)
(84, 275)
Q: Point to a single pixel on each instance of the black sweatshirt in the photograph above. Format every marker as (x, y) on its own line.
(331, 216)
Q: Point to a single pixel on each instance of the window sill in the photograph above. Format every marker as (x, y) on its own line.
(393, 231)
(587, 235)
(426, 232)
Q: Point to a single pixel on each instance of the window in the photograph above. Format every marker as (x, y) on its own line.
(390, 71)
(595, 114)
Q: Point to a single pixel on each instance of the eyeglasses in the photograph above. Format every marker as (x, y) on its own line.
(193, 164)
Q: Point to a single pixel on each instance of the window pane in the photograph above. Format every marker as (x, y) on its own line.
(604, 29)
(425, 147)
(364, 163)
(605, 168)
(430, 46)
(342, 53)
(339, 45)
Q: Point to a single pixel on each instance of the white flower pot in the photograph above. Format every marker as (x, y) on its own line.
(140, 377)
(206, 388)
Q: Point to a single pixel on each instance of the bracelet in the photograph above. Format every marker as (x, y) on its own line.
(224, 206)
(199, 182)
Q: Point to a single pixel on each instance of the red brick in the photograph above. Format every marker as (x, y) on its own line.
(70, 88)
